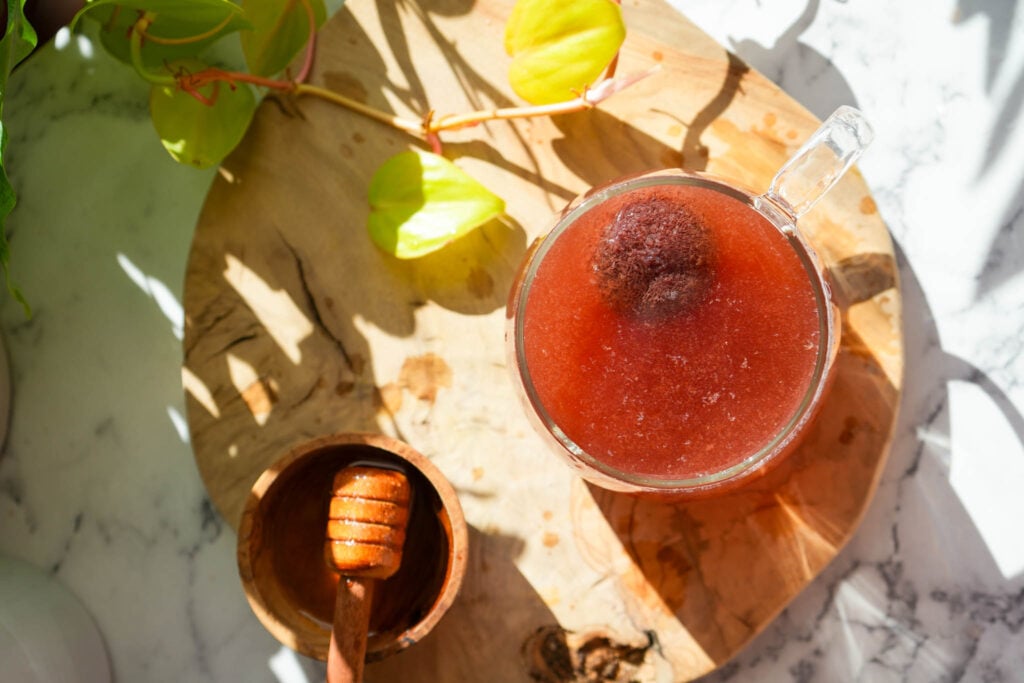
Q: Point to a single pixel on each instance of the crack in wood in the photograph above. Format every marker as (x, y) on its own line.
(313, 309)
(199, 333)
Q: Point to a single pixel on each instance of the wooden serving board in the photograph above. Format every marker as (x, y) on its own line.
(297, 326)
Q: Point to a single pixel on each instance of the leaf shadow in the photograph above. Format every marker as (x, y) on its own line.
(918, 524)
(806, 74)
(1001, 17)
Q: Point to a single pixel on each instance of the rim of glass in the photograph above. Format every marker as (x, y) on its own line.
(808, 260)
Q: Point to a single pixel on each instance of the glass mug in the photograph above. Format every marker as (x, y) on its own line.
(674, 334)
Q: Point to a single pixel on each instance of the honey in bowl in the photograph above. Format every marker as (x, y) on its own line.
(289, 583)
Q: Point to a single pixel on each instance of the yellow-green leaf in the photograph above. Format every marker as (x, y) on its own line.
(420, 201)
(201, 133)
(559, 47)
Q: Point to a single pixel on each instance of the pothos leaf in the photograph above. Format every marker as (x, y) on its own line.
(168, 37)
(280, 29)
(558, 48)
(17, 42)
(420, 201)
(7, 201)
(201, 133)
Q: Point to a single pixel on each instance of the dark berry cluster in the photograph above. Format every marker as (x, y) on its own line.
(654, 259)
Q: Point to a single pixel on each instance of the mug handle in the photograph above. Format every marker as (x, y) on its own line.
(820, 162)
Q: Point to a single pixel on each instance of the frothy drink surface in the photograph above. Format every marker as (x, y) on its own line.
(671, 331)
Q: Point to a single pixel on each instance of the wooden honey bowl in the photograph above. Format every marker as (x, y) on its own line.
(290, 587)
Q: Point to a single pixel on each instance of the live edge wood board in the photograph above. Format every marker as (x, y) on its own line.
(297, 326)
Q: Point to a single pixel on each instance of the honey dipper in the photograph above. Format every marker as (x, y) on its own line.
(369, 511)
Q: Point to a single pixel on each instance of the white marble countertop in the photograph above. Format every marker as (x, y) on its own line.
(97, 482)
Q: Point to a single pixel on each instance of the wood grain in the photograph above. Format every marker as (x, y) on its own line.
(297, 326)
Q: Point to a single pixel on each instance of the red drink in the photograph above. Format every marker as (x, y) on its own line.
(680, 385)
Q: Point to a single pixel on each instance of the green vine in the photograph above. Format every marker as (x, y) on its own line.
(17, 43)
(563, 58)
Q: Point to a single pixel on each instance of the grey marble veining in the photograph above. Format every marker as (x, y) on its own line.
(97, 482)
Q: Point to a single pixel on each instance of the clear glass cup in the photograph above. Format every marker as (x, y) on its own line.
(674, 334)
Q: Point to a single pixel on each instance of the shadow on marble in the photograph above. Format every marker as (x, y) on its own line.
(1002, 262)
(807, 75)
(884, 609)
(999, 15)
(1006, 121)
(930, 371)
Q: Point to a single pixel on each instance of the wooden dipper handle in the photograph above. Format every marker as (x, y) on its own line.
(366, 523)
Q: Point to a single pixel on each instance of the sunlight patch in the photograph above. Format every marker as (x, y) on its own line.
(987, 473)
(286, 667)
(158, 292)
(259, 394)
(198, 390)
(180, 425)
(275, 310)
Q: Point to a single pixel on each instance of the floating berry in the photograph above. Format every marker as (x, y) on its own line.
(654, 259)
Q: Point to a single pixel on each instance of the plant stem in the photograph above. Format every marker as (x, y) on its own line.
(590, 98)
(138, 30)
(430, 126)
(307, 63)
(454, 121)
(188, 39)
(408, 125)
(215, 75)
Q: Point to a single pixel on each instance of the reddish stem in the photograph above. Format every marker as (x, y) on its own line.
(192, 82)
(307, 63)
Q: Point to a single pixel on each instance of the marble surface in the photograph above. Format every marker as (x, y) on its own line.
(97, 482)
